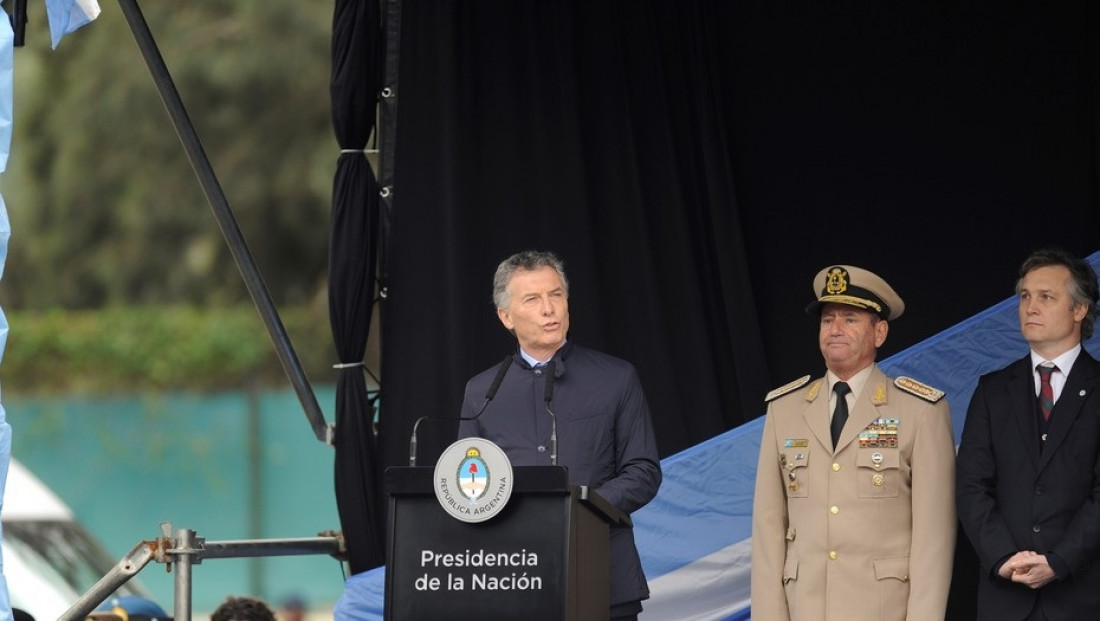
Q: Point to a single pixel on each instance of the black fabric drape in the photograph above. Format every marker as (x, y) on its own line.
(697, 163)
(356, 78)
(589, 129)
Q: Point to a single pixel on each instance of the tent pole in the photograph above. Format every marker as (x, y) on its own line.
(224, 216)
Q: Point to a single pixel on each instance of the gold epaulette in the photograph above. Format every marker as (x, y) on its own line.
(786, 388)
(913, 387)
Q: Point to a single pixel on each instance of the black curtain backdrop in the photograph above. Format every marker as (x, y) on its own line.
(695, 163)
(594, 130)
(353, 249)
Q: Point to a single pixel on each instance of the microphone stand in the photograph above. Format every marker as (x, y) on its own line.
(548, 394)
(502, 370)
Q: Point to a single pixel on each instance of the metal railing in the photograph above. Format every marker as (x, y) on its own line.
(186, 550)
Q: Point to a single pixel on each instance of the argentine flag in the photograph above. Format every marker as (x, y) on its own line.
(66, 16)
(7, 88)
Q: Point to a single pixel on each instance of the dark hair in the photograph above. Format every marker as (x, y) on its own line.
(242, 609)
(528, 260)
(1083, 288)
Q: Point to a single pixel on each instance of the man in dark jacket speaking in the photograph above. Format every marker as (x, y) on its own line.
(603, 426)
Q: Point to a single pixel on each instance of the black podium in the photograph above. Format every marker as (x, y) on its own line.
(544, 556)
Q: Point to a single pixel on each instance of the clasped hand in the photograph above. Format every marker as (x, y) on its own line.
(1028, 568)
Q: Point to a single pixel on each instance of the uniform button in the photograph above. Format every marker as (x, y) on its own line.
(542, 449)
(1039, 490)
(836, 467)
(834, 509)
(538, 371)
(1036, 528)
(833, 555)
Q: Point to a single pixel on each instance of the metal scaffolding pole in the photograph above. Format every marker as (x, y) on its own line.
(184, 552)
(226, 221)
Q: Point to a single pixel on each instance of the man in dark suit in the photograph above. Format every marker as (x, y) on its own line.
(1028, 467)
(606, 435)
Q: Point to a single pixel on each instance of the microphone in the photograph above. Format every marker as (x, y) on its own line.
(548, 394)
(502, 370)
(19, 23)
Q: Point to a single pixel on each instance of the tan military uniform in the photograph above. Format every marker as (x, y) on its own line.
(863, 533)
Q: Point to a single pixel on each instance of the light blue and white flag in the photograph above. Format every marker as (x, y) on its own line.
(65, 16)
(7, 88)
(7, 96)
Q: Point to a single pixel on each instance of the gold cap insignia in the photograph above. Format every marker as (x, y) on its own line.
(855, 286)
(836, 281)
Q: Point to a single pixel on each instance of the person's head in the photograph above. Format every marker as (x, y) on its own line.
(853, 307)
(531, 295)
(293, 609)
(1058, 296)
(242, 609)
(129, 608)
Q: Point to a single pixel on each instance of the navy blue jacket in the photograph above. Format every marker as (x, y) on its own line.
(605, 437)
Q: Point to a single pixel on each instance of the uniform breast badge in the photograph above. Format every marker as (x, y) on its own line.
(880, 473)
(881, 433)
(789, 465)
(877, 479)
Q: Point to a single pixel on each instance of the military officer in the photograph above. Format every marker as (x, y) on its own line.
(854, 512)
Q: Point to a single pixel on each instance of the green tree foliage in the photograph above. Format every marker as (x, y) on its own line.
(105, 208)
(147, 349)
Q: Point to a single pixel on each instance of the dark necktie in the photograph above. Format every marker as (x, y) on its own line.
(1046, 393)
(840, 412)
